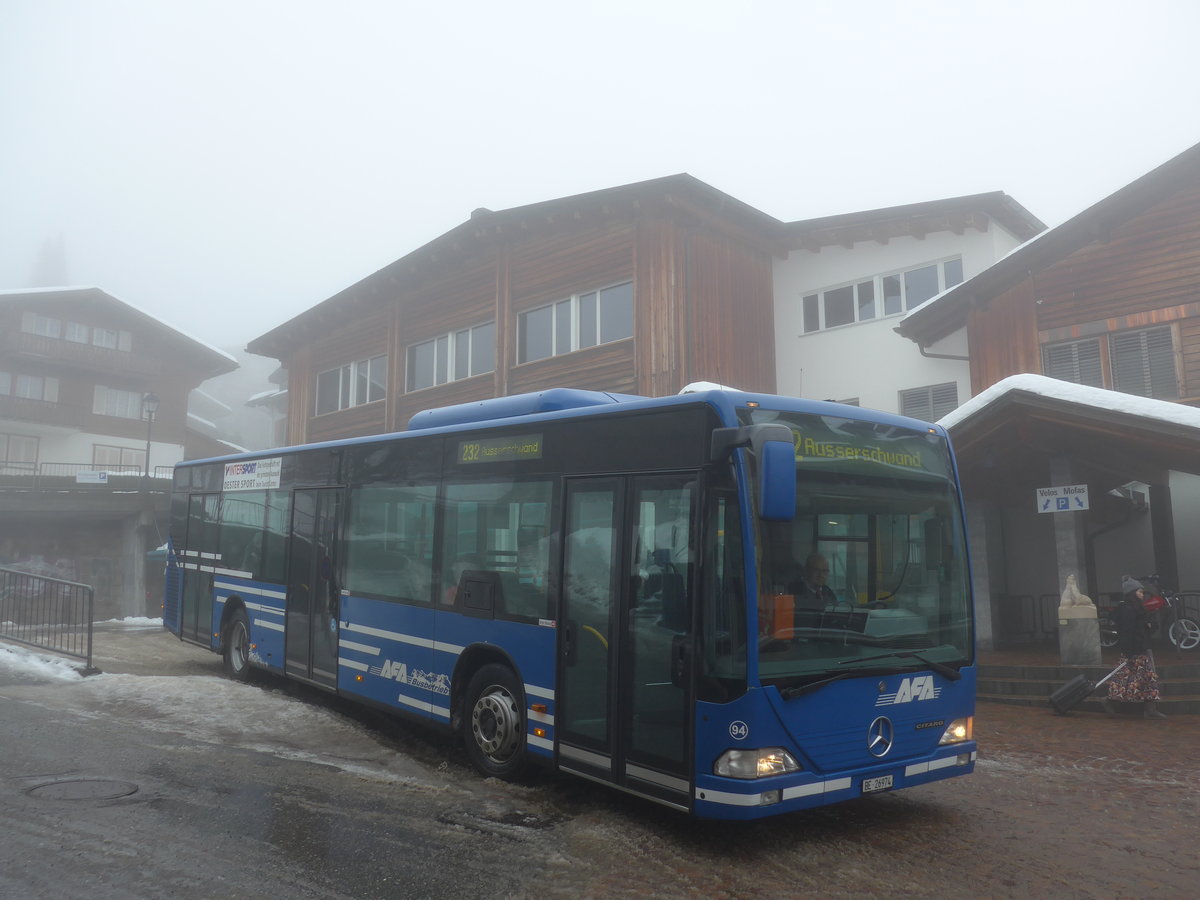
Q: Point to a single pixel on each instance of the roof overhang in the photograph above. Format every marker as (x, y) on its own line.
(917, 220)
(685, 196)
(947, 312)
(1007, 438)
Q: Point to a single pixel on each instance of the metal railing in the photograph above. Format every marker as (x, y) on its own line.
(1028, 618)
(82, 476)
(47, 613)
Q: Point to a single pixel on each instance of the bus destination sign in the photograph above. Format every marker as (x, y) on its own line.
(506, 449)
(254, 475)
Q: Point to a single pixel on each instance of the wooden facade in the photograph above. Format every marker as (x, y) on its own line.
(1141, 272)
(700, 267)
(1128, 263)
(158, 360)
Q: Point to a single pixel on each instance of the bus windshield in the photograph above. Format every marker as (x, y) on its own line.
(870, 575)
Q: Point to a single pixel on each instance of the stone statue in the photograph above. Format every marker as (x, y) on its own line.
(1071, 596)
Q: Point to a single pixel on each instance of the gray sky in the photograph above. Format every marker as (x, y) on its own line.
(227, 164)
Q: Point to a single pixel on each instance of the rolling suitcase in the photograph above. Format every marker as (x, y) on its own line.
(1078, 689)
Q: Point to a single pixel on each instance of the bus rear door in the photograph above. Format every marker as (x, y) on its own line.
(625, 694)
(313, 595)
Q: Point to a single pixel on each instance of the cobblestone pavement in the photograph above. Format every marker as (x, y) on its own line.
(1077, 806)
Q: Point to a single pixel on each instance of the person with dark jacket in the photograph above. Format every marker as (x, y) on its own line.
(1137, 682)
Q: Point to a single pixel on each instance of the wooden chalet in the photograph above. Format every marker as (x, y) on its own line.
(636, 289)
(1109, 300)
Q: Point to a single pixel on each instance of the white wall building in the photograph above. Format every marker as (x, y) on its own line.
(847, 281)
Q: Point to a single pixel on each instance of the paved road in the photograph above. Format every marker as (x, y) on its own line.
(247, 789)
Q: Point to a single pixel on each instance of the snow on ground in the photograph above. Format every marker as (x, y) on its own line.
(134, 622)
(213, 709)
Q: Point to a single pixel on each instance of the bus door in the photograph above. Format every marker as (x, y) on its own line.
(625, 696)
(198, 557)
(313, 593)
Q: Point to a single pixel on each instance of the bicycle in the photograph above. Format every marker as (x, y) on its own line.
(1182, 632)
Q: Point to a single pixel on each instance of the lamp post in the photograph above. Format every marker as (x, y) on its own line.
(149, 408)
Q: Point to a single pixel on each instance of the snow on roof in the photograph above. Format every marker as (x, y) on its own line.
(1080, 394)
(209, 398)
(12, 292)
(204, 423)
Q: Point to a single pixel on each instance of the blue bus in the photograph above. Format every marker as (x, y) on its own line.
(617, 587)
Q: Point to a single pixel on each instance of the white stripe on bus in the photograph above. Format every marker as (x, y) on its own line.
(728, 798)
(274, 626)
(361, 648)
(424, 706)
(249, 589)
(353, 664)
(456, 649)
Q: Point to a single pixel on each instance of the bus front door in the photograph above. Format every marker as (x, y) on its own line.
(312, 592)
(625, 695)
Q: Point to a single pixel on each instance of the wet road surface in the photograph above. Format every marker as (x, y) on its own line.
(253, 789)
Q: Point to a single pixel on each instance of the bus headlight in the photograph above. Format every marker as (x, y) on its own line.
(761, 763)
(958, 731)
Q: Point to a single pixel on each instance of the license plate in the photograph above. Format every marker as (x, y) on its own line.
(882, 783)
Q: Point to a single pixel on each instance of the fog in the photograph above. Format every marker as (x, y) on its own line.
(226, 165)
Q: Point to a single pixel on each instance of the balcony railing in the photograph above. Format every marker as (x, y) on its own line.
(44, 412)
(81, 476)
(87, 357)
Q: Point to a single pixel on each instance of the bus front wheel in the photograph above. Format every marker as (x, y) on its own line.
(237, 647)
(494, 724)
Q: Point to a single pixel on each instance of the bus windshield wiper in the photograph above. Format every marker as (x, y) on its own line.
(941, 668)
(797, 690)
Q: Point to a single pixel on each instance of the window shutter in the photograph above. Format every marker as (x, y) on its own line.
(1143, 363)
(944, 399)
(929, 403)
(1077, 362)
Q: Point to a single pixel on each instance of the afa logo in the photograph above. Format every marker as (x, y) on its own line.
(436, 682)
(397, 671)
(919, 687)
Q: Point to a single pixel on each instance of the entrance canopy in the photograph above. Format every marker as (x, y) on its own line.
(1007, 436)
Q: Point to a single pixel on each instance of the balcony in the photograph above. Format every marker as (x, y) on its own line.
(73, 355)
(49, 476)
(25, 409)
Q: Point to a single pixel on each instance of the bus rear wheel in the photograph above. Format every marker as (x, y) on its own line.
(236, 651)
(494, 724)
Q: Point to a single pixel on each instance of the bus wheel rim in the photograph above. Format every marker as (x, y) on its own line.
(495, 724)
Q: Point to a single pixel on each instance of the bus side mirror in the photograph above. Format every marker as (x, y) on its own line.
(777, 481)
(775, 451)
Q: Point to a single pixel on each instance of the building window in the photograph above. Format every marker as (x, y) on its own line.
(18, 453)
(77, 333)
(882, 295)
(35, 323)
(1075, 361)
(1139, 362)
(452, 357)
(108, 401)
(353, 384)
(1143, 363)
(123, 458)
(576, 323)
(35, 387)
(929, 403)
